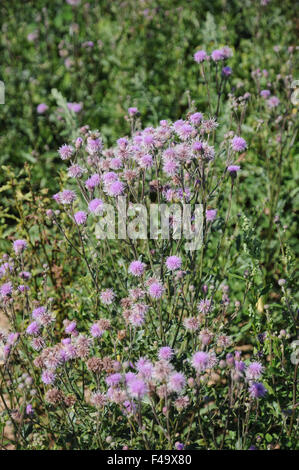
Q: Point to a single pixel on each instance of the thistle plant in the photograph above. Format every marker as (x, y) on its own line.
(161, 341)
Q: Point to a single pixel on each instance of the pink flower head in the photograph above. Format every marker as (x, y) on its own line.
(265, 93)
(137, 268)
(96, 206)
(92, 182)
(75, 171)
(71, 327)
(6, 290)
(113, 379)
(176, 382)
(78, 142)
(173, 263)
(217, 55)
(211, 214)
(122, 143)
(145, 368)
(200, 361)
(107, 296)
(200, 56)
(204, 306)
(66, 151)
(257, 390)
(65, 197)
(33, 329)
(94, 145)
(191, 323)
(179, 446)
(254, 371)
(156, 290)
(116, 163)
(233, 168)
(75, 107)
(80, 217)
(29, 410)
(185, 131)
(115, 189)
(42, 108)
(196, 118)
(238, 144)
(170, 167)
(38, 312)
(166, 353)
(98, 399)
(132, 111)
(48, 377)
(96, 330)
(198, 146)
(137, 388)
(109, 177)
(19, 246)
(146, 161)
(273, 102)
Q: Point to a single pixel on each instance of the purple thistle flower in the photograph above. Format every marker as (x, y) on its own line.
(75, 107)
(38, 312)
(137, 388)
(170, 167)
(200, 56)
(197, 146)
(48, 377)
(226, 71)
(166, 353)
(94, 145)
(19, 246)
(71, 327)
(233, 169)
(204, 306)
(96, 330)
(96, 206)
(254, 371)
(113, 379)
(176, 382)
(265, 93)
(200, 361)
(65, 152)
(179, 446)
(132, 111)
(6, 290)
(107, 296)
(273, 102)
(42, 108)
(217, 55)
(173, 263)
(115, 189)
(137, 268)
(92, 182)
(156, 290)
(144, 367)
(257, 390)
(211, 214)
(238, 144)
(33, 329)
(196, 118)
(75, 171)
(146, 161)
(80, 217)
(65, 197)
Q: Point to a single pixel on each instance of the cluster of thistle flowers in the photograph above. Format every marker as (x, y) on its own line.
(164, 160)
(125, 383)
(217, 56)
